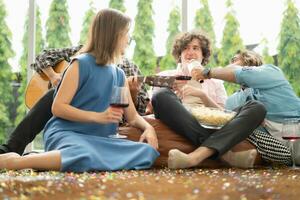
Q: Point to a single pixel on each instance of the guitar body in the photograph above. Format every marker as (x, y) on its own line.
(40, 84)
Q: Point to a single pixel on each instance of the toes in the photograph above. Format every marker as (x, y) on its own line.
(172, 159)
(172, 152)
(7, 159)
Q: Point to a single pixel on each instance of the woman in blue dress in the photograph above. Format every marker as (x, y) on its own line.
(76, 137)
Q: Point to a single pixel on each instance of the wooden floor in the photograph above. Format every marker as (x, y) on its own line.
(157, 184)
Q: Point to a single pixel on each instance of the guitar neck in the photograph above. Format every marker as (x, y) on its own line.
(141, 78)
(157, 81)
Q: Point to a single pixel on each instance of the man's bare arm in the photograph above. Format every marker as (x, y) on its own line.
(222, 73)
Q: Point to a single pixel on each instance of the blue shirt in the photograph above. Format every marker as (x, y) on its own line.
(94, 90)
(85, 146)
(268, 85)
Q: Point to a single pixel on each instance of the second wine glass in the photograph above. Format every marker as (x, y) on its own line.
(291, 133)
(119, 99)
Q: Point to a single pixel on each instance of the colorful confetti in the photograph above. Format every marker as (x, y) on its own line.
(225, 184)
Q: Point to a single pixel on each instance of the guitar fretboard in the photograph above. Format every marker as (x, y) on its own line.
(157, 81)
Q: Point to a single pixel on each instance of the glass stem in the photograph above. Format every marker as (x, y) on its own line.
(117, 129)
(292, 153)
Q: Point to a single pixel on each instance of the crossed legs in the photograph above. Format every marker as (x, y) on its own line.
(211, 143)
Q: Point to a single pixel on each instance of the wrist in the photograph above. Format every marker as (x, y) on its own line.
(95, 117)
(149, 127)
(206, 73)
(211, 73)
(48, 71)
(201, 94)
(51, 75)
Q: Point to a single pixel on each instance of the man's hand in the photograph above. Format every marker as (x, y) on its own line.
(149, 135)
(55, 79)
(134, 87)
(197, 73)
(178, 85)
(189, 90)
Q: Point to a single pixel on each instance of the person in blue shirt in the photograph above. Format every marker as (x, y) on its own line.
(76, 137)
(265, 83)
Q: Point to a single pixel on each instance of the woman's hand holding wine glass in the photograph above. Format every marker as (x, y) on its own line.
(113, 115)
(119, 100)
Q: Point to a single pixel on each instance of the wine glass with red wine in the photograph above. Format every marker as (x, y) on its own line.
(291, 133)
(120, 99)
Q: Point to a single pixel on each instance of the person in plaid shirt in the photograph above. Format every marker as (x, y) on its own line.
(51, 57)
(35, 120)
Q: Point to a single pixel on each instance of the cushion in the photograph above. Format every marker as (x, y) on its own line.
(168, 139)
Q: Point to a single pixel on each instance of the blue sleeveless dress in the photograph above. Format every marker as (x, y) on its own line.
(86, 146)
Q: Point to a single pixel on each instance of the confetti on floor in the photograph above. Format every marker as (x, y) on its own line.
(224, 184)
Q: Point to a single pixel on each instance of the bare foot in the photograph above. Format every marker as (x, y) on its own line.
(178, 160)
(7, 160)
(242, 159)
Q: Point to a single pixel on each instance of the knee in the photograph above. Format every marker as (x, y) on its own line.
(161, 95)
(258, 109)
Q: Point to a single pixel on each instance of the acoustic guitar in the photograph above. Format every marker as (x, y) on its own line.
(40, 83)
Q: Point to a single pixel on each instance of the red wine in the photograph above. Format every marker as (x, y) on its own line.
(119, 105)
(183, 78)
(291, 137)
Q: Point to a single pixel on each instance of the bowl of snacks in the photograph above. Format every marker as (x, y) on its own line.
(212, 118)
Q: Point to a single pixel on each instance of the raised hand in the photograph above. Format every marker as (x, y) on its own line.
(197, 73)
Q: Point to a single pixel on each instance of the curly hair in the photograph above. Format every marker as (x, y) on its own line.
(183, 39)
(248, 58)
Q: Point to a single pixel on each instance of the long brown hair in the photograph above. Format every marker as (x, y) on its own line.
(105, 33)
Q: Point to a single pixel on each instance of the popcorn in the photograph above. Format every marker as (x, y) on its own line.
(212, 116)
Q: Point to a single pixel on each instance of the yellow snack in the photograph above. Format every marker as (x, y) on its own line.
(212, 116)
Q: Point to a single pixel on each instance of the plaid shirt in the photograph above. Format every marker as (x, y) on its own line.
(51, 57)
